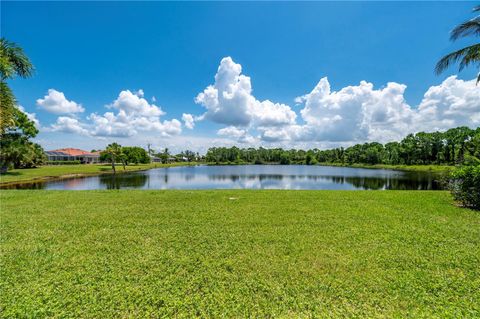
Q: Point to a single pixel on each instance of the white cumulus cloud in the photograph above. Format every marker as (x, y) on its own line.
(188, 120)
(241, 135)
(134, 114)
(355, 113)
(230, 101)
(56, 102)
(361, 113)
(452, 103)
(68, 124)
(134, 103)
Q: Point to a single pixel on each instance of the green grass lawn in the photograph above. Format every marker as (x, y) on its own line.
(43, 172)
(116, 254)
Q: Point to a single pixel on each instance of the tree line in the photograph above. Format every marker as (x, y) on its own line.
(456, 146)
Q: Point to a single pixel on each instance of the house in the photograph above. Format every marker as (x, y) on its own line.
(155, 159)
(73, 154)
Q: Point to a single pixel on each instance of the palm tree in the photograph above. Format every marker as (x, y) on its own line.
(468, 55)
(13, 62)
(114, 151)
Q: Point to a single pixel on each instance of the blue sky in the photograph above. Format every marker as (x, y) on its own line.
(93, 51)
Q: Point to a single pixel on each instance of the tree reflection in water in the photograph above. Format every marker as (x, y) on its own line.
(255, 177)
(124, 181)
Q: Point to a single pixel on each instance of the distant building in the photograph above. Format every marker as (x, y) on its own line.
(73, 154)
(155, 159)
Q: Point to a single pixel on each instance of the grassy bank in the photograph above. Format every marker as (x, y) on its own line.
(65, 171)
(137, 254)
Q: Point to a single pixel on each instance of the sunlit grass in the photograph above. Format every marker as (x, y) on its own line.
(115, 254)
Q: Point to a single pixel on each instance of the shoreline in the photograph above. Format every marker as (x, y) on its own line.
(120, 170)
(410, 168)
(437, 169)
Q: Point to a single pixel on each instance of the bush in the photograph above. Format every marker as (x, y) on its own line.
(465, 186)
(63, 162)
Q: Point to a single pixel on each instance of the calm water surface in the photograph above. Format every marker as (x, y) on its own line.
(251, 177)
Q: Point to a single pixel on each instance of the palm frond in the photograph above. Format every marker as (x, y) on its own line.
(13, 60)
(466, 56)
(468, 28)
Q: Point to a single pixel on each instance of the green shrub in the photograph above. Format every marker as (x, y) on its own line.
(465, 186)
(63, 162)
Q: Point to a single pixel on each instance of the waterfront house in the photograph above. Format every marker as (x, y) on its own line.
(73, 154)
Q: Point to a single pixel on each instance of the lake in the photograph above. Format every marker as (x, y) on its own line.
(250, 177)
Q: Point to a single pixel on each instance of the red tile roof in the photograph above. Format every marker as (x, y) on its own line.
(74, 151)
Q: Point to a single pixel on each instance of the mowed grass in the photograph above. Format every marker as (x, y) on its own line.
(291, 254)
(53, 171)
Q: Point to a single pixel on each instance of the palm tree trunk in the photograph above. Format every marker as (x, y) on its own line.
(113, 166)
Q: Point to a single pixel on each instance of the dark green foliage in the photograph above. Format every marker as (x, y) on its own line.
(455, 146)
(465, 186)
(16, 150)
(112, 154)
(284, 159)
(163, 156)
(135, 155)
(13, 63)
(63, 162)
(187, 155)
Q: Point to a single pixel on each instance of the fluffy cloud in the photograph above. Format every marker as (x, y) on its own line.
(230, 101)
(362, 113)
(188, 120)
(134, 114)
(231, 131)
(357, 113)
(134, 103)
(241, 135)
(110, 124)
(68, 124)
(353, 114)
(452, 103)
(56, 102)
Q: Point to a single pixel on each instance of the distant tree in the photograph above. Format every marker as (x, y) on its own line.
(454, 146)
(164, 156)
(284, 159)
(113, 152)
(135, 155)
(465, 56)
(310, 158)
(189, 155)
